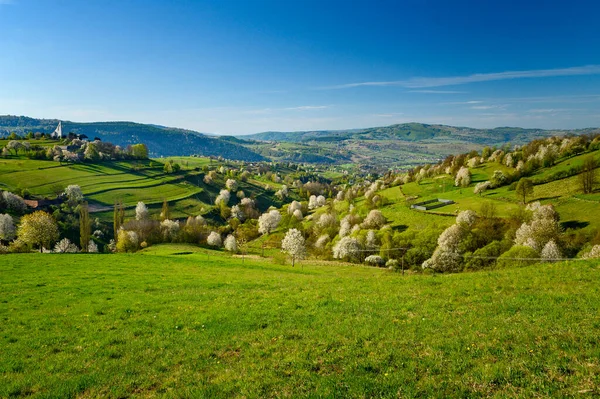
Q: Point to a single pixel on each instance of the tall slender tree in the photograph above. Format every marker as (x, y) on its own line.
(165, 213)
(85, 226)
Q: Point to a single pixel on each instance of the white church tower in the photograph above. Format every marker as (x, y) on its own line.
(57, 132)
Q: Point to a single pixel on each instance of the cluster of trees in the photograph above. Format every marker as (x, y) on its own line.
(41, 230)
(75, 150)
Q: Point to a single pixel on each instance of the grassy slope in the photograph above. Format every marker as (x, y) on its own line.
(208, 326)
(564, 194)
(130, 182)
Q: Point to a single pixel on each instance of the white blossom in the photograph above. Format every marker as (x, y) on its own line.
(231, 185)
(347, 248)
(298, 214)
(467, 217)
(73, 193)
(481, 187)
(231, 244)
(374, 220)
(293, 244)
(551, 252)
(593, 253)
(92, 247)
(65, 246)
(170, 228)
(7, 227)
(14, 202)
(463, 177)
(375, 260)
(141, 211)
(295, 205)
(214, 239)
(267, 222)
(223, 197)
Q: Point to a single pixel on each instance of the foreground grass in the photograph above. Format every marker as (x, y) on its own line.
(177, 321)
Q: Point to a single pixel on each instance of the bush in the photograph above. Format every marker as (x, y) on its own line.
(375, 260)
(478, 261)
(518, 256)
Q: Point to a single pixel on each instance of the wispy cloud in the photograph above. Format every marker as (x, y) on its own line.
(424, 82)
(306, 107)
(437, 91)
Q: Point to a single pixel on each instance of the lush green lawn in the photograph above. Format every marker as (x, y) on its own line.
(203, 324)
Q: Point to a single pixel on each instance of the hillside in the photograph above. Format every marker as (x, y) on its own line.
(161, 141)
(396, 145)
(377, 148)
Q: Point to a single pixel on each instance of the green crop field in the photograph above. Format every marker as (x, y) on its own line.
(181, 321)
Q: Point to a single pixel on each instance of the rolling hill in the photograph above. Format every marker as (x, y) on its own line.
(401, 145)
(161, 141)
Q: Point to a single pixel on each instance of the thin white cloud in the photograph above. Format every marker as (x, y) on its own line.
(437, 91)
(424, 82)
(306, 107)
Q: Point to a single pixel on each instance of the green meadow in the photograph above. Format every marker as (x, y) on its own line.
(182, 321)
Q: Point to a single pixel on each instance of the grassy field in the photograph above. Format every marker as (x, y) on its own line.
(180, 321)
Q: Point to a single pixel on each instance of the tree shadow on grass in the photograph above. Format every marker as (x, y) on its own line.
(574, 224)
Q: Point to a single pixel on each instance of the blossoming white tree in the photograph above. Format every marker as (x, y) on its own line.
(295, 205)
(293, 244)
(463, 177)
(231, 244)
(269, 221)
(374, 220)
(7, 228)
(170, 228)
(141, 211)
(214, 239)
(231, 185)
(480, 188)
(13, 202)
(551, 252)
(446, 256)
(347, 248)
(223, 197)
(65, 246)
(73, 193)
(543, 227)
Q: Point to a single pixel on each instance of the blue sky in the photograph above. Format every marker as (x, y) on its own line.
(235, 67)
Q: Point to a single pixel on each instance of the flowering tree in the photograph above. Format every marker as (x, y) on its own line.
(231, 185)
(223, 197)
(375, 260)
(463, 177)
(38, 229)
(13, 202)
(295, 205)
(347, 248)
(214, 239)
(73, 193)
(238, 213)
(543, 227)
(293, 244)
(92, 247)
(269, 221)
(312, 202)
(480, 188)
(127, 241)
(65, 246)
(7, 228)
(298, 214)
(231, 244)
(374, 220)
(141, 211)
(551, 252)
(593, 253)
(170, 228)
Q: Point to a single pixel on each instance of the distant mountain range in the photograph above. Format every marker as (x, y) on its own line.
(396, 145)
(161, 141)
